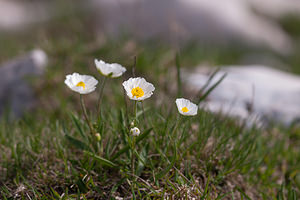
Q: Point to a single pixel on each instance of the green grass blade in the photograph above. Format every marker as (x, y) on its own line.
(101, 160)
(127, 147)
(78, 126)
(77, 143)
(178, 66)
(211, 88)
(168, 168)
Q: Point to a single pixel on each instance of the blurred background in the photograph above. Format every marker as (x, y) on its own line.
(49, 39)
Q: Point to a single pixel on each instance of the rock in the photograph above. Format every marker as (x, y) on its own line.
(257, 92)
(214, 20)
(252, 22)
(16, 15)
(15, 92)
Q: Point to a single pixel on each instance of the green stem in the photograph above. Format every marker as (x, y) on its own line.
(135, 112)
(133, 155)
(126, 108)
(176, 125)
(171, 136)
(133, 139)
(86, 116)
(144, 116)
(100, 96)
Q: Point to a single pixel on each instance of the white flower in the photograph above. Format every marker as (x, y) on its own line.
(82, 84)
(135, 131)
(113, 70)
(138, 88)
(186, 107)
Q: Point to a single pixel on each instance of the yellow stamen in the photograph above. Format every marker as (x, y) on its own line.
(81, 84)
(185, 109)
(137, 92)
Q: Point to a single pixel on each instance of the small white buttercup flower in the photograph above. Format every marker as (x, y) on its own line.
(113, 70)
(82, 84)
(138, 88)
(135, 131)
(186, 107)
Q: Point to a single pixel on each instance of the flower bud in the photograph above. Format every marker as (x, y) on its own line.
(132, 124)
(135, 131)
(98, 136)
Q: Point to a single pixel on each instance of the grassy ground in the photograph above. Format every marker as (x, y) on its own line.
(50, 154)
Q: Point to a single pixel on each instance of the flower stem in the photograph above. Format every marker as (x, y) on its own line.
(86, 116)
(126, 107)
(135, 112)
(176, 125)
(132, 155)
(100, 97)
(171, 136)
(144, 116)
(133, 139)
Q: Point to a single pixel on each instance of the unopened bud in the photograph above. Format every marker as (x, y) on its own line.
(132, 124)
(98, 136)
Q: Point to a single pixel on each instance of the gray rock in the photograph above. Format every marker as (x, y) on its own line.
(206, 20)
(16, 95)
(252, 93)
(17, 15)
(252, 22)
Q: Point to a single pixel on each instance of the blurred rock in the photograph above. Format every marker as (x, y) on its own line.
(16, 95)
(213, 20)
(252, 22)
(252, 93)
(17, 15)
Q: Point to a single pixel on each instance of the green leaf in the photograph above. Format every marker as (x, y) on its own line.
(179, 88)
(139, 113)
(243, 193)
(77, 143)
(56, 195)
(168, 168)
(81, 186)
(211, 88)
(220, 197)
(76, 122)
(209, 80)
(127, 147)
(206, 189)
(142, 159)
(101, 160)
(292, 194)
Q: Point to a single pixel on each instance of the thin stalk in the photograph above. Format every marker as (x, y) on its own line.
(178, 120)
(179, 87)
(134, 66)
(133, 155)
(171, 136)
(133, 140)
(144, 116)
(86, 116)
(126, 107)
(100, 97)
(135, 111)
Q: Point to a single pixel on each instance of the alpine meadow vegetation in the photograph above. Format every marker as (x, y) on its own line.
(132, 130)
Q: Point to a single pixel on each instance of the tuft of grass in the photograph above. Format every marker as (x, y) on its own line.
(49, 153)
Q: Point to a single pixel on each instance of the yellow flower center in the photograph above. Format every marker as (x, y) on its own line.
(185, 109)
(137, 92)
(81, 84)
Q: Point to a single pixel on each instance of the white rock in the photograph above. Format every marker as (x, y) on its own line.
(18, 15)
(213, 20)
(273, 94)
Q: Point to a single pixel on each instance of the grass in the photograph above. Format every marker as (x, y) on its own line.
(49, 153)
